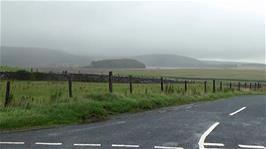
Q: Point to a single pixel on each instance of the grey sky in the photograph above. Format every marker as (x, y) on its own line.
(215, 29)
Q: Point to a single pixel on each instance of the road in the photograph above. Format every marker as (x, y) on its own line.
(238, 122)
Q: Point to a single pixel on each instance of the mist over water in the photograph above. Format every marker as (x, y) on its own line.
(261, 60)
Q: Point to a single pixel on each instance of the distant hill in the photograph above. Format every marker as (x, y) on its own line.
(117, 63)
(167, 60)
(38, 57)
(175, 61)
(50, 58)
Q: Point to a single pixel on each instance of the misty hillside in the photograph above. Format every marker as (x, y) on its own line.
(167, 60)
(37, 57)
(40, 57)
(117, 63)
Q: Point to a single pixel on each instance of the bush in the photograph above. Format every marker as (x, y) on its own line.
(23, 75)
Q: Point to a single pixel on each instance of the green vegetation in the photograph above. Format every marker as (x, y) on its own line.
(248, 74)
(117, 63)
(45, 104)
(9, 69)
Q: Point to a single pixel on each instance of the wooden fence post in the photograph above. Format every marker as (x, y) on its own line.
(7, 99)
(185, 85)
(213, 86)
(110, 82)
(70, 86)
(205, 86)
(130, 84)
(162, 84)
(221, 86)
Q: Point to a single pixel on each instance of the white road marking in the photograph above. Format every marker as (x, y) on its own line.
(12, 142)
(213, 144)
(123, 145)
(205, 134)
(167, 147)
(45, 143)
(95, 145)
(251, 146)
(217, 148)
(231, 114)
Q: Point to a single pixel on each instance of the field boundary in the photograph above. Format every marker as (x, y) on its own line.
(41, 76)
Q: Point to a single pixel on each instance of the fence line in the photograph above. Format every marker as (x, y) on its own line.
(38, 76)
(223, 85)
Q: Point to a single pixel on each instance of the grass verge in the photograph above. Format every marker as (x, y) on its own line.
(96, 107)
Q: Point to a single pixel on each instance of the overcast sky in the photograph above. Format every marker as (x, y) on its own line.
(212, 29)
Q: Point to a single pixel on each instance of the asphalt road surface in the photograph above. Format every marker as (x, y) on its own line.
(238, 122)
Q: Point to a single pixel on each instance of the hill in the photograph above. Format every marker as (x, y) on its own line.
(38, 57)
(50, 58)
(117, 63)
(175, 61)
(167, 60)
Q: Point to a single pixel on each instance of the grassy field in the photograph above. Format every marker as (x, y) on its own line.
(8, 69)
(245, 74)
(45, 104)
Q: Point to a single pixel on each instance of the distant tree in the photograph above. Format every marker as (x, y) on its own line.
(23, 75)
